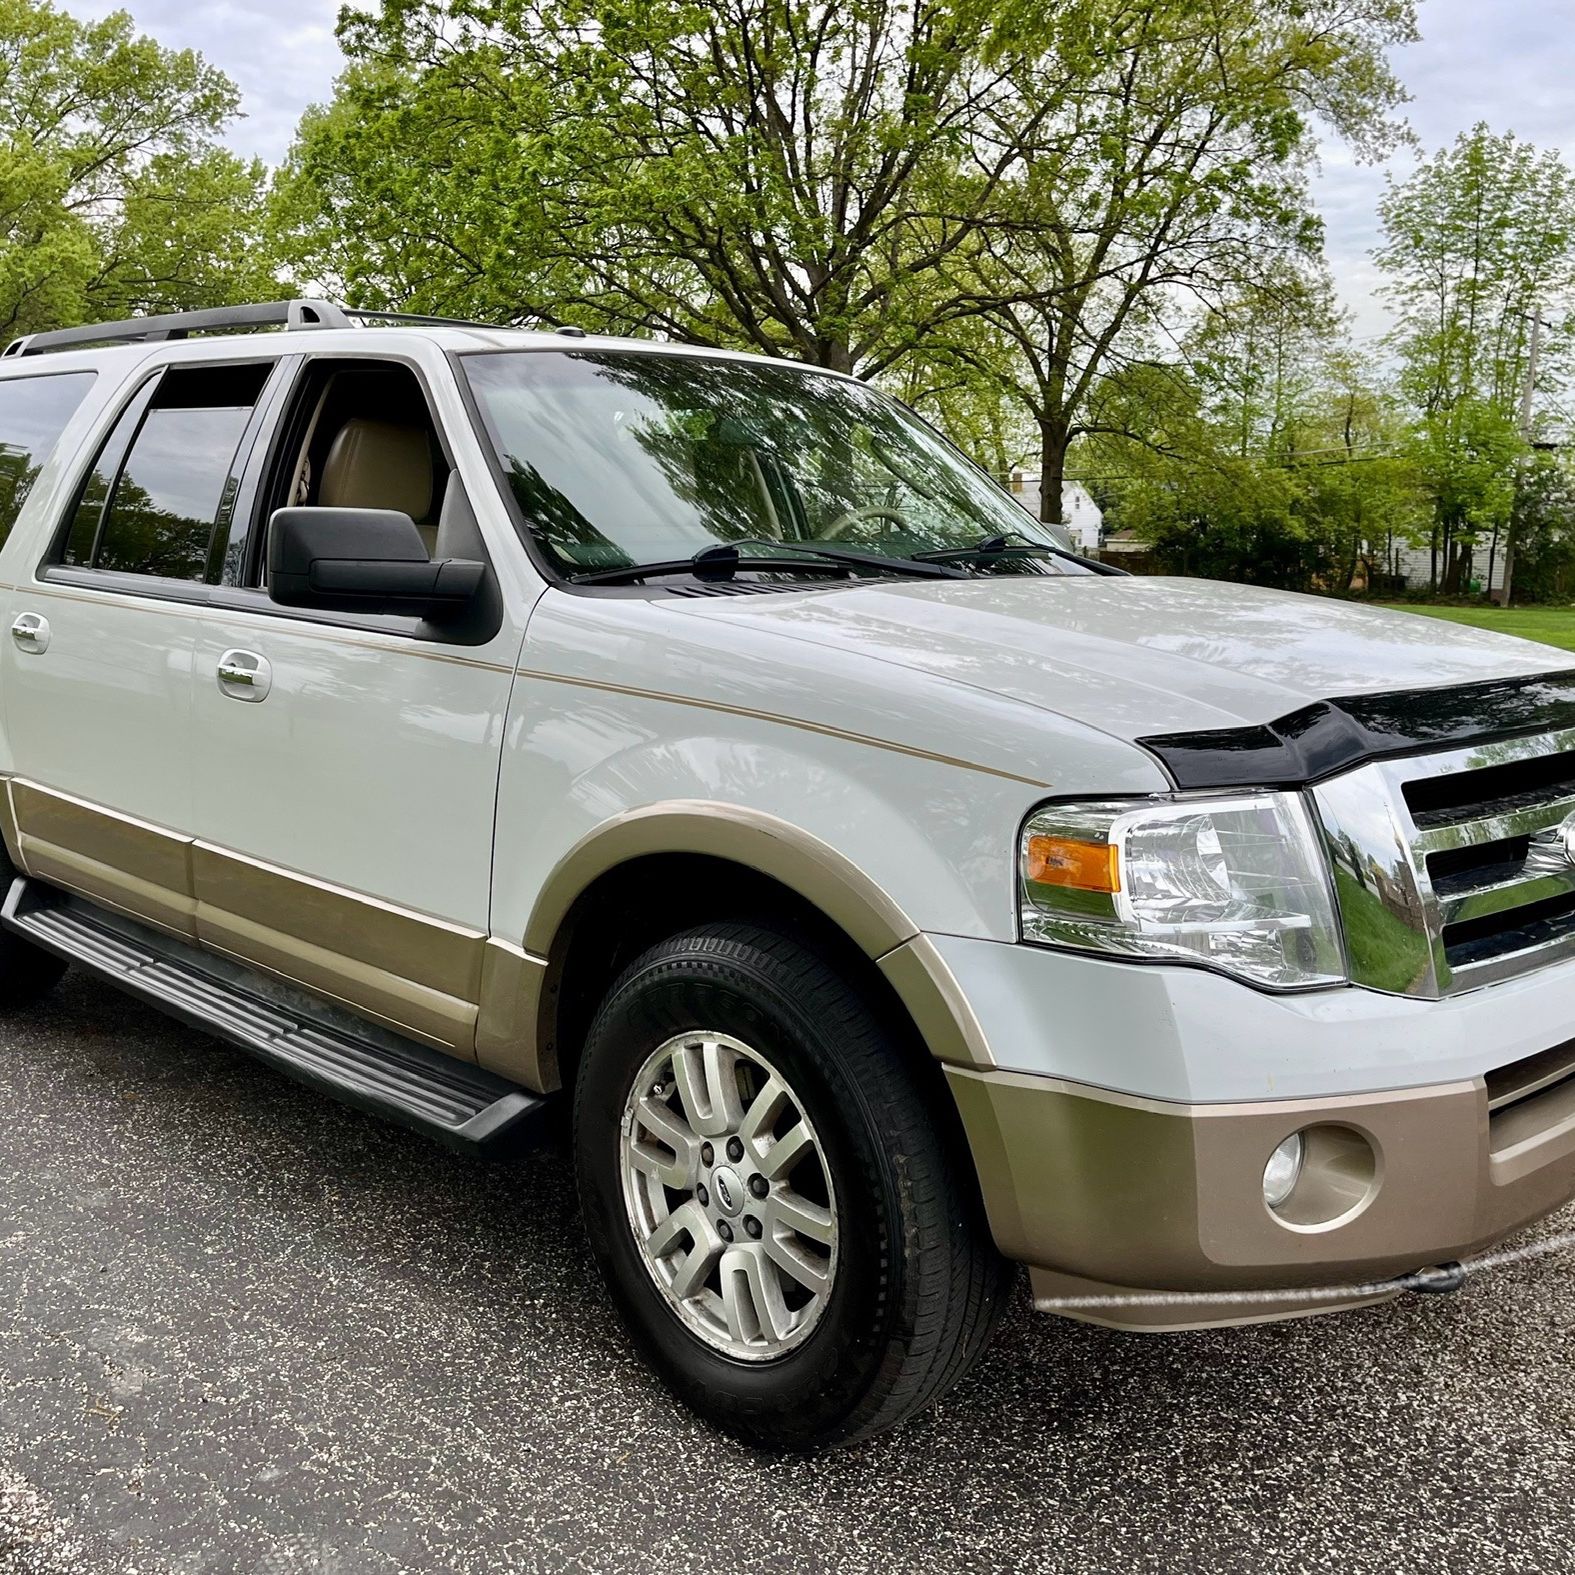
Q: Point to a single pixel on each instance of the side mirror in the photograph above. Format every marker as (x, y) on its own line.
(363, 560)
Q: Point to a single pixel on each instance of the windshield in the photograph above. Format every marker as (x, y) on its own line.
(621, 458)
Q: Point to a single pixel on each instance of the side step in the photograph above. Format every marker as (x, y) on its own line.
(459, 1104)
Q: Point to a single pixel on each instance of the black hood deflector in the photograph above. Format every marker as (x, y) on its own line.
(1330, 736)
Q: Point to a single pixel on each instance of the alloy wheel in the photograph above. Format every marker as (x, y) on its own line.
(729, 1195)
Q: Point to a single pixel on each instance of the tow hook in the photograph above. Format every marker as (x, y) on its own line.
(1443, 1279)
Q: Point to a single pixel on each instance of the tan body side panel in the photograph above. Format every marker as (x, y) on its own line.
(8, 826)
(406, 970)
(410, 971)
(127, 864)
(440, 1020)
(507, 1042)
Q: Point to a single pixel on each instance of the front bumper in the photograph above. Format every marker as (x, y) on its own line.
(1098, 1191)
(1101, 1189)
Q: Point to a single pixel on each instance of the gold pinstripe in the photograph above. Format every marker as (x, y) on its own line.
(824, 729)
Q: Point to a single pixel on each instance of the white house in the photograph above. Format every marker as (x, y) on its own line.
(1083, 517)
(1414, 565)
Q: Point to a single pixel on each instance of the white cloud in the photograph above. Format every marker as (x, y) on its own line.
(282, 54)
(1507, 62)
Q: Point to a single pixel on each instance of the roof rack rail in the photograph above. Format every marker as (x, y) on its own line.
(418, 319)
(305, 313)
(176, 325)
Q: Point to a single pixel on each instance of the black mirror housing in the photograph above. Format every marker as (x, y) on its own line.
(366, 561)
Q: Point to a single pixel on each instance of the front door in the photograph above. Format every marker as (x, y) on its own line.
(346, 765)
(95, 664)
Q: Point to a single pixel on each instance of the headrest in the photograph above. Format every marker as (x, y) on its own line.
(378, 465)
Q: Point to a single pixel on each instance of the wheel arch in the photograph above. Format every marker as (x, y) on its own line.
(596, 911)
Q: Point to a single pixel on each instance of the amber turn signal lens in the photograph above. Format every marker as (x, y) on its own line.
(1064, 861)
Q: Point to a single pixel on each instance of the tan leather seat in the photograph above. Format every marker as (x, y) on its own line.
(378, 465)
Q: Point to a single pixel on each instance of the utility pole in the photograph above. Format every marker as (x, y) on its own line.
(1525, 431)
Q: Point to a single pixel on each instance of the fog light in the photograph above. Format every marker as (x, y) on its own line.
(1321, 1178)
(1283, 1171)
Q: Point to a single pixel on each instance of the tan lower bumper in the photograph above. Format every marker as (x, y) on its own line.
(1100, 1192)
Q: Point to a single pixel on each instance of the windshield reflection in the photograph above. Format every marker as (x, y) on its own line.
(623, 457)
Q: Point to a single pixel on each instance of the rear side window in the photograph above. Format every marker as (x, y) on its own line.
(33, 413)
(165, 475)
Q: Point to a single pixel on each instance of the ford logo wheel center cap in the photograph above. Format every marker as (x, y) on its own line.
(728, 1190)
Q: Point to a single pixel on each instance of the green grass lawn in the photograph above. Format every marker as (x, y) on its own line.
(1551, 625)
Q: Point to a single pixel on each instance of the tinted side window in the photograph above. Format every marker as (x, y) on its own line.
(153, 512)
(33, 413)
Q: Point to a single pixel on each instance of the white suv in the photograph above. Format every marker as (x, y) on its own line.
(456, 717)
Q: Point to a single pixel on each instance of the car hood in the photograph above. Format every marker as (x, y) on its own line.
(1135, 656)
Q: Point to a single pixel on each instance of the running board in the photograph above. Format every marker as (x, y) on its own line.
(460, 1104)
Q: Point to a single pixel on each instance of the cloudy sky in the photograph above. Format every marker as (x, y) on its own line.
(1508, 62)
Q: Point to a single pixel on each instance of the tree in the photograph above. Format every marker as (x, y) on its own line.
(776, 174)
(1262, 449)
(114, 195)
(1166, 172)
(1476, 241)
(1360, 481)
(391, 197)
(968, 393)
(1544, 527)
(1258, 355)
(853, 185)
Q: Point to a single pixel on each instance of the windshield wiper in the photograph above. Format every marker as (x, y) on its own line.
(989, 549)
(723, 560)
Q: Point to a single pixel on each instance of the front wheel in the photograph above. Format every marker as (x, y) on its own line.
(770, 1196)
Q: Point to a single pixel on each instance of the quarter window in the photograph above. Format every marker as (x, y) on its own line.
(33, 413)
(166, 475)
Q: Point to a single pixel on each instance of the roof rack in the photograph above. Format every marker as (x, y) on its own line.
(304, 313)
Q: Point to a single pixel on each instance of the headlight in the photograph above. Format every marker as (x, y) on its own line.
(1240, 884)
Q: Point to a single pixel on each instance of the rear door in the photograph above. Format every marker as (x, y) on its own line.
(347, 764)
(95, 668)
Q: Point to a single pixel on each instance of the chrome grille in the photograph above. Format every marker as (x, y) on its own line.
(1458, 868)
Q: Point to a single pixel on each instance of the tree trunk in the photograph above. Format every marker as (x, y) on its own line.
(1351, 565)
(1052, 470)
(1457, 564)
(836, 355)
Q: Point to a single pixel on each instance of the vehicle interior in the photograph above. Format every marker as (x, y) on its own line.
(361, 436)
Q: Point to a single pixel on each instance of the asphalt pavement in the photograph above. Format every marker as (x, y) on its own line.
(244, 1328)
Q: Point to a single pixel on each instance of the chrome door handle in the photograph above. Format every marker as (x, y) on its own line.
(244, 675)
(31, 632)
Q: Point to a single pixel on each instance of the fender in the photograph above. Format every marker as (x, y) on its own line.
(512, 1028)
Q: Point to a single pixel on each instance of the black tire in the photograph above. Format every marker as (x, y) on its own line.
(919, 1287)
(27, 972)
